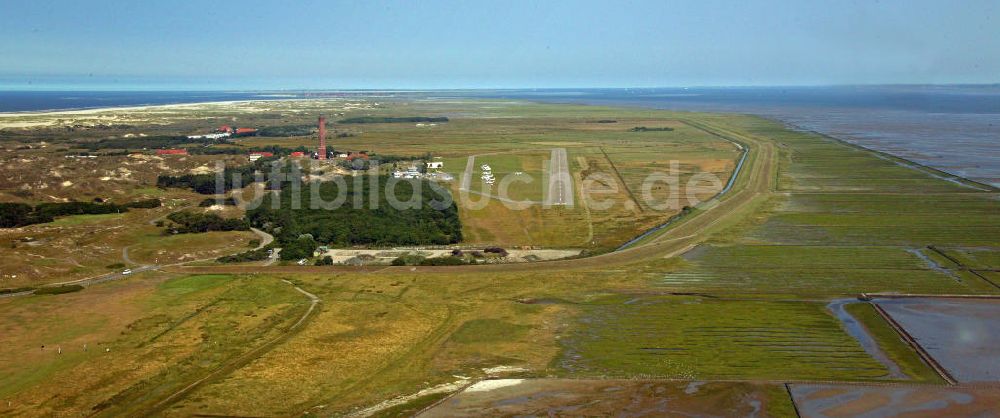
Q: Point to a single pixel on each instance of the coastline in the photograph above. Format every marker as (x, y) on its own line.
(95, 110)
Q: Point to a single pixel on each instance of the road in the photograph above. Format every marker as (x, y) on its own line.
(274, 257)
(560, 191)
(87, 281)
(265, 238)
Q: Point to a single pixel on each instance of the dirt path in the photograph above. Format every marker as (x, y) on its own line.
(240, 360)
(126, 258)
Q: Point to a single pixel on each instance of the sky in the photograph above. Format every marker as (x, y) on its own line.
(430, 44)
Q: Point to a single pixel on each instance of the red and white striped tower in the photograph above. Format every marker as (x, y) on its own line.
(321, 151)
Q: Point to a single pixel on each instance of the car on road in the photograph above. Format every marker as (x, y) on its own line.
(126, 272)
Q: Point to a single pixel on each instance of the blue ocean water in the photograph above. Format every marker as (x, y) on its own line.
(33, 101)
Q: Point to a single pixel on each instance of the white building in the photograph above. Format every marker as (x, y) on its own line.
(210, 136)
(435, 164)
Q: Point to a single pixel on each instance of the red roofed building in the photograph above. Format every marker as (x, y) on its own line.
(171, 152)
(298, 154)
(245, 131)
(353, 155)
(225, 128)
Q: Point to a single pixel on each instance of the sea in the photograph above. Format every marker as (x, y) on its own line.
(954, 128)
(40, 101)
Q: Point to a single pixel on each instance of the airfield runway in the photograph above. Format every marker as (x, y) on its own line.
(560, 191)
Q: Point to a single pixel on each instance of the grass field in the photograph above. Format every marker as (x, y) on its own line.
(813, 270)
(103, 348)
(701, 338)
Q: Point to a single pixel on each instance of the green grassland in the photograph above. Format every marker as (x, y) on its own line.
(813, 269)
(701, 338)
(983, 258)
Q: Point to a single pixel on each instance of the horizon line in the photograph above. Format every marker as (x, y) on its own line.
(152, 88)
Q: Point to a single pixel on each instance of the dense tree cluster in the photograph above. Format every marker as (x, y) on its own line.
(425, 220)
(384, 119)
(13, 215)
(298, 248)
(287, 130)
(186, 222)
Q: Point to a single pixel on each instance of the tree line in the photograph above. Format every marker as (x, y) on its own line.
(15, 215)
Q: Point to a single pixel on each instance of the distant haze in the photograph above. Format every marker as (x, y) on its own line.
(475, 44)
